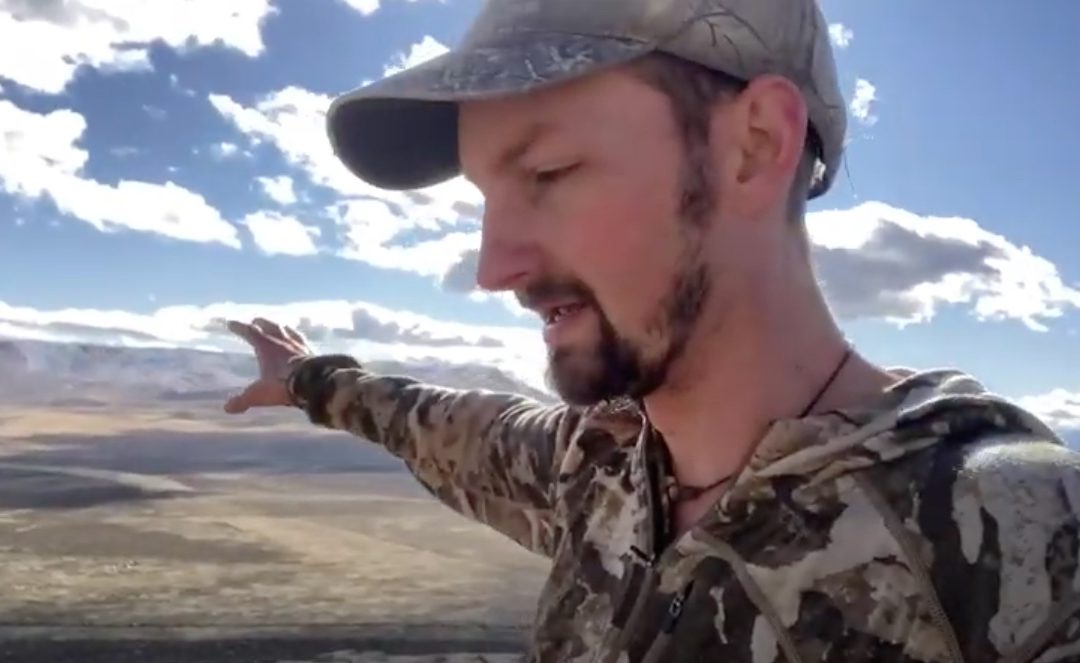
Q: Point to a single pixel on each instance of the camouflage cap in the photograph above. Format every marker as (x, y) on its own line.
(401, 132)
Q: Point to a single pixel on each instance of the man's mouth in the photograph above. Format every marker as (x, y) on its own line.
(556, 314)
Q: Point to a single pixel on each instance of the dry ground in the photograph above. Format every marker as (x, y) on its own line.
(182, 535)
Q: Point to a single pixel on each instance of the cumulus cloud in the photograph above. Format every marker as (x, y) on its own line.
(380, 227)
(293, 120)
(174, 83)
(841, 35)
(43, 43)
(367, 330)
(1059, 408)
(123, 151)
(426, 49)
(863, 101)
(42, 159)
(224, 150)
(376, 232)
(279, 189)
(879, 261)
(461, 276)
(368, 325)
(277, 234)
(155, 112)
(366, 7)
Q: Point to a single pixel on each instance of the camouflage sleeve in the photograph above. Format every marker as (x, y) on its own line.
(492, 457)
(1002, 517)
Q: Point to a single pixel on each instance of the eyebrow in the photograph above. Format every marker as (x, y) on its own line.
(507, 158)
(533, 133)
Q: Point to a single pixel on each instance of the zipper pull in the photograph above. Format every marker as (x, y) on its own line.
(675, 610)
(643, 556)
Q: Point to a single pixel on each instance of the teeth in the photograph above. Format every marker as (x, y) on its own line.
(558, 313)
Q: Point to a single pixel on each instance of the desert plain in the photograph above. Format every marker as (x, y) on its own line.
(174, 533)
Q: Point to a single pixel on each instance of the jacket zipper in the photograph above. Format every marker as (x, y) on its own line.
(667, 628)
(616, 638)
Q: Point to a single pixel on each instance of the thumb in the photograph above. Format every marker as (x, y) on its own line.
(256, 394)
(238, 403)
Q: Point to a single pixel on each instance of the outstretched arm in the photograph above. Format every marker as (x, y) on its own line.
(491, 456)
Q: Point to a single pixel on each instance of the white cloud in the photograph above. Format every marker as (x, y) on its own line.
(293, 120)
(279, 189)
(379, 225)
(879, 261)
(224, 150)
(841, 35)
(123, 151)
(365, 7)
(426, 49)
(369, 331)
(279, 234)
(44, 42)
(864, 98)
(1059, 408)
(155, 112)
(373, 228)
(42, 159)
(174, 83)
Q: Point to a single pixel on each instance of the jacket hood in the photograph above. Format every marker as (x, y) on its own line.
(921, 410)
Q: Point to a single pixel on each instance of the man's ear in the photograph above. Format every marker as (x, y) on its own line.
(767, 125)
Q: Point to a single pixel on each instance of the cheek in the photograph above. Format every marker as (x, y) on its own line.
(622, 242)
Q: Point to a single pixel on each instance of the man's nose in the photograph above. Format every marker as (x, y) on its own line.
(508, 255)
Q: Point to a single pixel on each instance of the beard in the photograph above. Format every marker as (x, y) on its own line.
(616, 366)
(619, 367)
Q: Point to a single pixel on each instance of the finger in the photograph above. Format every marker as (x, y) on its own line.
(295, 335)
(269, 327)
(243, 330)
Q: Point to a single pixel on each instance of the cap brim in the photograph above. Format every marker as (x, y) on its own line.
(401, 132)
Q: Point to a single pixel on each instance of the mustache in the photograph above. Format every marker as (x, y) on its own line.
(538, 293)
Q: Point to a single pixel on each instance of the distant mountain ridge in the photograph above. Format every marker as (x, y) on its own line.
(85, 374)
(59, 374)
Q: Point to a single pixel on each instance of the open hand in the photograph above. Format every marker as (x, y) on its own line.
(277, 349)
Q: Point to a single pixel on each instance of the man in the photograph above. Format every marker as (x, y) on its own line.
(728, 480)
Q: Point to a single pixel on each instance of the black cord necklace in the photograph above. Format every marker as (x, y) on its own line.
(683, 493)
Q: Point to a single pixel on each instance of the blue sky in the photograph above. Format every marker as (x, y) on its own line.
(182, 174)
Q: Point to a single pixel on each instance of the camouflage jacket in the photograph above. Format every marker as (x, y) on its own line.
(940, 524)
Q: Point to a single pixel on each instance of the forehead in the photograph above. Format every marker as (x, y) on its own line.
(490, 129)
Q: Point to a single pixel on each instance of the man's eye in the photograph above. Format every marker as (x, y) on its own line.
(553, 174)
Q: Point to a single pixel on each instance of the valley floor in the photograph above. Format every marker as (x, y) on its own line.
(150, 536)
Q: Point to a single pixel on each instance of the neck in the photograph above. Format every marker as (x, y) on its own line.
(766, 359)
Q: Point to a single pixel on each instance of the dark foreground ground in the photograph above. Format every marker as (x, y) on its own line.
(260, 650)
(137, 537)
(253, 651)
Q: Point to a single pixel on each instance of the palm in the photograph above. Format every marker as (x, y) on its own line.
(276, 348)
